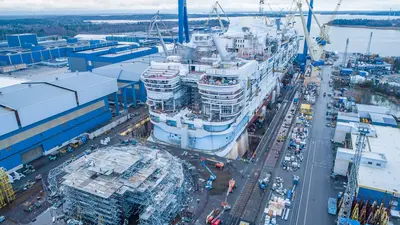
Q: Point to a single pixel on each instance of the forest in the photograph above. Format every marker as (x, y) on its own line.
(395, 23)
(70, 26)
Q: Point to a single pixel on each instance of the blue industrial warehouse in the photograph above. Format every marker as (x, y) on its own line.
(37, 117)
(128, 75)
(89, 59)
(25, 49)
(380, 161)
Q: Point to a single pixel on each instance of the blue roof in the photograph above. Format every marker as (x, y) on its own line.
(382, 119)
(130, 70)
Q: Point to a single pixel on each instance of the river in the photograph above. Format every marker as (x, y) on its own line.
(384, 42)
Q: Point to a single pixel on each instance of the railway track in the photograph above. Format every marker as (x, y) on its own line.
(262, 150)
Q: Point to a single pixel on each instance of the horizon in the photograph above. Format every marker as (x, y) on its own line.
(172, 12)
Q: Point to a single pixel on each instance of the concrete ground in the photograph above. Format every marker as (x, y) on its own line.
(311, 195)
(316, 184)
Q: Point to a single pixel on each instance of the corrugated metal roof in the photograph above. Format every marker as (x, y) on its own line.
(383, 119)
(89, 86)
(348, 117)
(35, 102)
(23, 95)
(130, 70)
(126, 52)
(8, 121)
(8, 81)
(372, 109)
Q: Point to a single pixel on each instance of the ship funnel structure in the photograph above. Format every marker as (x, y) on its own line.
(225, 56)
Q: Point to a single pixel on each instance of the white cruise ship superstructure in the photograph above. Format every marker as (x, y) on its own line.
(205, 97)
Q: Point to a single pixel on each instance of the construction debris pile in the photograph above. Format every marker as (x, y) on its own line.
(298, 141)
(280, 202)
(110, 185)
(310, 93)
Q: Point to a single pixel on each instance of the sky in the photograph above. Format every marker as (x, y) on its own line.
(169, 6)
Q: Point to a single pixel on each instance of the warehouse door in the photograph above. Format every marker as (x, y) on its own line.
(32, 154)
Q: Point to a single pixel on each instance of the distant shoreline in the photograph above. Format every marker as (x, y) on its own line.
(369, 27)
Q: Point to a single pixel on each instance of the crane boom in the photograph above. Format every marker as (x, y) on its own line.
(314, 53)
(154, 26)
(215, 10)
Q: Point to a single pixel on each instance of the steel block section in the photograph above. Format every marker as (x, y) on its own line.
(378, 195)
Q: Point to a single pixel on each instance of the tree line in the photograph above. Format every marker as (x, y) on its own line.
(365, 22)
(69, 27)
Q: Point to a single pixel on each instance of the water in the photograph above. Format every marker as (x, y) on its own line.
(383, 101)
(365, 96)
(384, 42)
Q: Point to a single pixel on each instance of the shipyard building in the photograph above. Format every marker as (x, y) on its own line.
(37, 117)
(380, 161)
(27, 49)
(43, 113)
(112, 184)
(23, 50)
(87, 60)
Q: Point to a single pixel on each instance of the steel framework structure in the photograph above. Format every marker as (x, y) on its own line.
(349, 194)
(152, 186)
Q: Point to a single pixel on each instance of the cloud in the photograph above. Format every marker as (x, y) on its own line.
(193, 5)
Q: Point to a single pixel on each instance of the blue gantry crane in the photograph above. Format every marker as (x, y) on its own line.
(183, 33)
(212, 175)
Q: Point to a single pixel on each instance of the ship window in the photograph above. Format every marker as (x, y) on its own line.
(378, 164)
(369, 163)
(171, 123)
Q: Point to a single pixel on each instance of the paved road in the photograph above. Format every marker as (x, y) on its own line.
(310, 204)
(316, 188)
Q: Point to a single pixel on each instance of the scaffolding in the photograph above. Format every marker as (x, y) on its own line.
(7, 194)
(110, 185)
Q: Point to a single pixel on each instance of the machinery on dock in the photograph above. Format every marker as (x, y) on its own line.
(263, 183)
(212, 175)
(214, 215)
(218, 164)
(232, 185)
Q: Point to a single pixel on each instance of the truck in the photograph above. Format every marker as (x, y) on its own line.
(332, 206)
